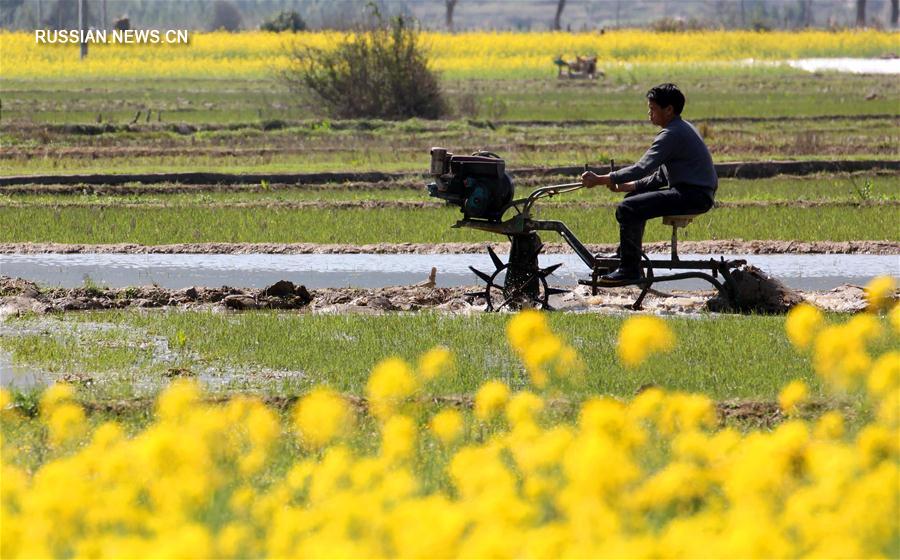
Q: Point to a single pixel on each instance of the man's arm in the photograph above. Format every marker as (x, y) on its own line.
(659, 151)
(652, 182)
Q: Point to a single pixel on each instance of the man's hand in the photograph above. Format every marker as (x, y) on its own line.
(589, 179)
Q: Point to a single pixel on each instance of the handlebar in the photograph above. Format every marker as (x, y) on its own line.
(552, 190)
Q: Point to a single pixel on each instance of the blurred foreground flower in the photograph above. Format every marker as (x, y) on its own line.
(642, 336)
(792, 396)
(802, 323)
(321, 416)
(880, 293)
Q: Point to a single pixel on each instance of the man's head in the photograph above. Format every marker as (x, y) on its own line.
(664, 102)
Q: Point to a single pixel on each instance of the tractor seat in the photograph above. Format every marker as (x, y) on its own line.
(678, 221)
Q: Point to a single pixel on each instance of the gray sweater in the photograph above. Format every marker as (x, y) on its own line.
(677, 157)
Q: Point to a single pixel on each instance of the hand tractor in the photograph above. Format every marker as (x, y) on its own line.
(484, 191)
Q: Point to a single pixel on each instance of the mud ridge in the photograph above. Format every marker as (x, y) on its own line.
(743, 170)
(20, 297)
(425, 126)
(419, 204)
(709, 247)
(763, 414)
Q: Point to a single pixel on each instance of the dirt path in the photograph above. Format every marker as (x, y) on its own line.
(725, 246)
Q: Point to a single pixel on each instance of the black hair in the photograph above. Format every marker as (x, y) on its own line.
(665, 95)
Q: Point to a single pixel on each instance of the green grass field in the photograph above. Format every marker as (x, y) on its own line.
(723, 356)
(195, 224)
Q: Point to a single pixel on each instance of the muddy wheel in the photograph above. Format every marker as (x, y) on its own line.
(524, 282)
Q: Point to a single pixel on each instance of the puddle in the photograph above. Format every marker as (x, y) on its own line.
(20, 376)
(166, 360)
(849, 65)
(175, 271)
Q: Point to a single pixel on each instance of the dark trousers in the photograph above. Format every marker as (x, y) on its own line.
(634, 211)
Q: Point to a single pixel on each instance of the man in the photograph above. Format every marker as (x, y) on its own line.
(678, 159)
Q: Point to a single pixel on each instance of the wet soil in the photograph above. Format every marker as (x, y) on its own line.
(18, 297)
(724, 246)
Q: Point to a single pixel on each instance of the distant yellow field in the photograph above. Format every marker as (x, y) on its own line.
(256, 54)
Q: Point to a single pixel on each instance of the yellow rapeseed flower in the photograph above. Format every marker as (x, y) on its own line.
(398, 438)
(321, 416)
(880, 292)
(522, 408)
(642, 336)
(390, 384)
(830, 425)
(885, 374)
(894, 318)
(525, 327)
(435, 362)
(447, 425)
(55, 395)
(178, 399)
(66, 422)
(490, 399)
(792, 396)
(801, 324)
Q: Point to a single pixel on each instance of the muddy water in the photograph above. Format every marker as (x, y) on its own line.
(803, 272)
(849, 65)
(20, 376)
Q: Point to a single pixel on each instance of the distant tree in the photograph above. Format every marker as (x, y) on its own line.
(450, 5)
(285, 21)
(381, 71)
(557, 23)
(64, 15)
(895, 12)
(8, 13)
(860, 13)
(226, 16)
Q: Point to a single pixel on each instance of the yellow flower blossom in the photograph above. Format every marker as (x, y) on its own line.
(178, 399)
(398, 438)
(877, 443)
(435, 362)
(880, 292)
(656, 475)
(321, 416)
(522, 408)
(55, 395)
(894, 318)
(490, 399)
(447, 425)
(642, 336)
(885, 374)
(485, 54)
(802, 323)
(390, 384)
(66, 422)
(544, 354)
(792, 396)
(830, 426)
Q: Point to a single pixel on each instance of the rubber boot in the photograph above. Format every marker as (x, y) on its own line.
(629, 270)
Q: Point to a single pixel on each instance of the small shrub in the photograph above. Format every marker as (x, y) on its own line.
(226, 16)
(287, 20)
(380, 71)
